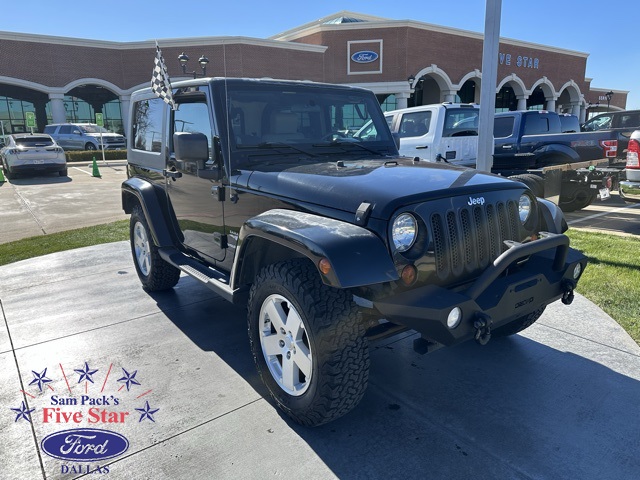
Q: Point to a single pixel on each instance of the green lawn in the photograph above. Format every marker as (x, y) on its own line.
(611, 280)
(57, 242)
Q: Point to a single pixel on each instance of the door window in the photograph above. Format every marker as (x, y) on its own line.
(414, 124)
(147, 125)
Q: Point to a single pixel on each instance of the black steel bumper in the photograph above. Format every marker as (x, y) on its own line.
(523, 279)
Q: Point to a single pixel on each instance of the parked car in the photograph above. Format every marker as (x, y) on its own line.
(25, 152)
(630, 189)
(440, 131)
(85, 136)
(331, 241)
(622, 123)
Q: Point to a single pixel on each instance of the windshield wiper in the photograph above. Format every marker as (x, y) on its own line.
(344, 143)
(284, 145)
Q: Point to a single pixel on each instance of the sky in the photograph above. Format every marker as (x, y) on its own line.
(607, 31)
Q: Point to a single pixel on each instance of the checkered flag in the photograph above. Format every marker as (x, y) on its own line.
(160, 83)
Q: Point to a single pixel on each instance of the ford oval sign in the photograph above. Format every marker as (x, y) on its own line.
(84, 445)
(365, 56)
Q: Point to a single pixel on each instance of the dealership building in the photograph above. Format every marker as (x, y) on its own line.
(404, 62)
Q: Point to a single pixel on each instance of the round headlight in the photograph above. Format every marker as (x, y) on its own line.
(524, 208)
(404, 232)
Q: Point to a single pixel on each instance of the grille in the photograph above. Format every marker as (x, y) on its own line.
(465, 241)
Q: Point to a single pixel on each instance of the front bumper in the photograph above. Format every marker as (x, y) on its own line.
(522, 280)
(630, 191)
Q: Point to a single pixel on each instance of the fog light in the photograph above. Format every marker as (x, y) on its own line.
(453, 320)
(409, 275)
(577, 270)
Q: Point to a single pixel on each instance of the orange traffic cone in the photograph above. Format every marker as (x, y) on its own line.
(96, 172)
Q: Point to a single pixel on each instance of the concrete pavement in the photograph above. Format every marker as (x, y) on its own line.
(31, 206)
(559, 401)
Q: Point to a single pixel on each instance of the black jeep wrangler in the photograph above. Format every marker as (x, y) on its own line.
(261, 190)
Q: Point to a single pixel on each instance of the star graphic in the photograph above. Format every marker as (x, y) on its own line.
(86, 373)
(40, 378)
(23, 412)
(129, 379)
(146, 412)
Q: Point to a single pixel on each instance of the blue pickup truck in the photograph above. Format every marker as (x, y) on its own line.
(530, 144)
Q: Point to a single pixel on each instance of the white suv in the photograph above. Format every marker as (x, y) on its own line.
(85, 136)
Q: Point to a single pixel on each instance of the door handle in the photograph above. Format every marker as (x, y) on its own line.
(172, 174)
(422, 147)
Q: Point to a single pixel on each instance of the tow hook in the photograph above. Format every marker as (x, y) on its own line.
(567, 296)
(482, 324)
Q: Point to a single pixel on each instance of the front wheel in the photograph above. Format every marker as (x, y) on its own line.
(90, 146)
(307, 343)
(155, 274)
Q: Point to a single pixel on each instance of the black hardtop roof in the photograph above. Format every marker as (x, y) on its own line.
(262, 81)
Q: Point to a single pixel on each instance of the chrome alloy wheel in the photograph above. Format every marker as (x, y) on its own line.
(285, 345)
(141, 245)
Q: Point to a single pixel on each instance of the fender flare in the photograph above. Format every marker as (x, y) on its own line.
(136, 190)
(552, 217)
(357, 256)
(556, 149)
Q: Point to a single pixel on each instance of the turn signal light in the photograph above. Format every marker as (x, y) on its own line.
(324, 265)
(409, 275)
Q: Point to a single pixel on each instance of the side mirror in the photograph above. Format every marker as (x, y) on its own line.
(194, 147)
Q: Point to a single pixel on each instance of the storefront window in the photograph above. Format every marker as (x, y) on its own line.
(12, 115)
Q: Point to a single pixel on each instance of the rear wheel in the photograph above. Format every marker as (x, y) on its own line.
(307, 343)
(154, 273)
(518, 324)
(63, 173)
(576, 198)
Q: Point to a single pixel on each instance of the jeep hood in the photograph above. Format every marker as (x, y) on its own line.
(387, 185)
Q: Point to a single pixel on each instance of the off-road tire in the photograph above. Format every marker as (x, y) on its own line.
(518, 324)
(339, 350)
(158, 274)
(533, 182)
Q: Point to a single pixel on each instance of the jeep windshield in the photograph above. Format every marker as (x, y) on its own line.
(316, 121)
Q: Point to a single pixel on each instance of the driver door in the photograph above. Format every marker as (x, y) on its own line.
(192, 190)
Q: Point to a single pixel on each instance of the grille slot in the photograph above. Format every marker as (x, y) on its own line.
(465, 241)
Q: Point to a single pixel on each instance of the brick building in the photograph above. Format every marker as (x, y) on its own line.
(404, 62)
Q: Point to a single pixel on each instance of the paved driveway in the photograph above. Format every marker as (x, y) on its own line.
(558, 402)
(31, 206)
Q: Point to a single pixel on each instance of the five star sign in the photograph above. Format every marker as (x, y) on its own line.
(86, 373)
(24, 412)
(146, 412)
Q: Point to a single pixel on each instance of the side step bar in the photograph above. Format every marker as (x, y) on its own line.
(215, 280)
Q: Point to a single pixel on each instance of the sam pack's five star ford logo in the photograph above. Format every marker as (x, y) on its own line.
(81, 402)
